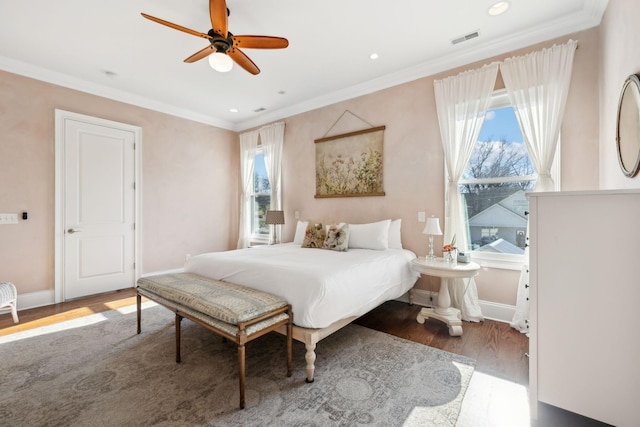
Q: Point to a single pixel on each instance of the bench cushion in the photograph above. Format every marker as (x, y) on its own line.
(222, 326)
(227, 302)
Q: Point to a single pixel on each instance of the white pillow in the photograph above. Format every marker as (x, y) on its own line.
(395, 240)
(374, 235)
(301, 228)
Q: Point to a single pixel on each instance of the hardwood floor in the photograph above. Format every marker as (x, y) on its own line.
(498, 349)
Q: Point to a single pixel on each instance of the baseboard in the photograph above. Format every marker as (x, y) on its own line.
(490, 310)
(42, 298)
(498, 312)
(36, 299)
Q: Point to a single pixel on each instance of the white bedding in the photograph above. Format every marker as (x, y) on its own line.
(322, 286)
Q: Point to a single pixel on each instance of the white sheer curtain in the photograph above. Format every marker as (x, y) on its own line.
(272, 139)
(538, 85)
(248, 148)
(462, 103)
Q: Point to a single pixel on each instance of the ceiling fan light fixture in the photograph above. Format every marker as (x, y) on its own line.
(499, 8)
(220, 62)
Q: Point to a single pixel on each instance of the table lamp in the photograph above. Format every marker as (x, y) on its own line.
(432, 228)
(275, 218)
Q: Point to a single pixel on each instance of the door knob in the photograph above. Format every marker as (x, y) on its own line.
(73, 230)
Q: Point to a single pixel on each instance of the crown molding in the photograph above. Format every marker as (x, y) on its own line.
(60, 79)
(590, 16)
(474, 51)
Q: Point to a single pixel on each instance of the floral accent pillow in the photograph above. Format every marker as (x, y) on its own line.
(337, 238)
(314, 236)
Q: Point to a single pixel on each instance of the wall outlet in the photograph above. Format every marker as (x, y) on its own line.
(421, 217)
(297, 214)
(187, 256)
(8, 218)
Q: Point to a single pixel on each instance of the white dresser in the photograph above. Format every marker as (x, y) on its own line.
(585, 303)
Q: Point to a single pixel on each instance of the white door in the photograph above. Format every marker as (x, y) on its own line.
(99, 207)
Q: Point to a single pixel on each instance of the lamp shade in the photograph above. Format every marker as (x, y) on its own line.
(275, 217)
(220, 62)
(432, 227)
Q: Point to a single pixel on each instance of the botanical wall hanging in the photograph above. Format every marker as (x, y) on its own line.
(350, 164)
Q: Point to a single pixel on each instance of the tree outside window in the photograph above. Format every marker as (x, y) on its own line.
(493, 186)
(261, 200)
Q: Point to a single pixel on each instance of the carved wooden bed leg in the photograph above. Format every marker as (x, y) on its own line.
(310, 357)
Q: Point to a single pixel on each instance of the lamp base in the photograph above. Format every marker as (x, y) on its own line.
(274, 240)
(430, 256)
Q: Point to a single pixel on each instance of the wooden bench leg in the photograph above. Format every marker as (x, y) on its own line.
(289, 342)
(178, 321)
(139, 307)
(241, 369)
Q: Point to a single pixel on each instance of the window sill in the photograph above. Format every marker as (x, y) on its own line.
(503, 262)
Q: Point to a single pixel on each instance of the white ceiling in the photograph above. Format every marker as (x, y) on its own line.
(77, 43)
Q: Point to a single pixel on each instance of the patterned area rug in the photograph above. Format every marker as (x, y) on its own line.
(98, 371)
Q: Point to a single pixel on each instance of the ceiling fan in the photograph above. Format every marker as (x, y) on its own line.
(224, 46)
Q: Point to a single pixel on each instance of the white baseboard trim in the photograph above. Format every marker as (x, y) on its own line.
(490, 310)
(42, 298)
(497, 311)
(36, 299)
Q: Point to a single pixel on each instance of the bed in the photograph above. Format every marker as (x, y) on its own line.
(327, 289)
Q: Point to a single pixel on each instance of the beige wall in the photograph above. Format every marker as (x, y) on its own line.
(190, 170)
(414, 162)
(189, 180)
(620, 53)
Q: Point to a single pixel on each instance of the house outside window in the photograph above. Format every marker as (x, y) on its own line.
(494, 185)
(261, 200)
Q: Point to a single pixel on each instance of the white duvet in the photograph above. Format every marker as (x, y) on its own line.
(322, 286)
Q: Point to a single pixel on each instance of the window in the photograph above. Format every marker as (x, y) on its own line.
(260, 201)
(493, 186)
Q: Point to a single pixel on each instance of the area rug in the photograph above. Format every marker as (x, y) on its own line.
(98, 371)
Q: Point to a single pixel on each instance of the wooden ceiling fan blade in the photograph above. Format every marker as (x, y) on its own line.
(260, 42)
(176, 26)
(201, 54)
(219, 17)
(243, 60)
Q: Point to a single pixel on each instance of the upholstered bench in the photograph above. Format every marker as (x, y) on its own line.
(237, 313)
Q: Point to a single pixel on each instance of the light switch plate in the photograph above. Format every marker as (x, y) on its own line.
(8, 218)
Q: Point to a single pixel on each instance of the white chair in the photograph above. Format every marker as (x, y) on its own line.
(9, 298)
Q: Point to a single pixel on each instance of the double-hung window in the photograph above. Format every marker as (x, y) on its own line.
(260, 200)
(493, 187)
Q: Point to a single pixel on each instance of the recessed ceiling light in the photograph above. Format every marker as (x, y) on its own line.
(374, 56)
(233, 110)
(499, 8)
